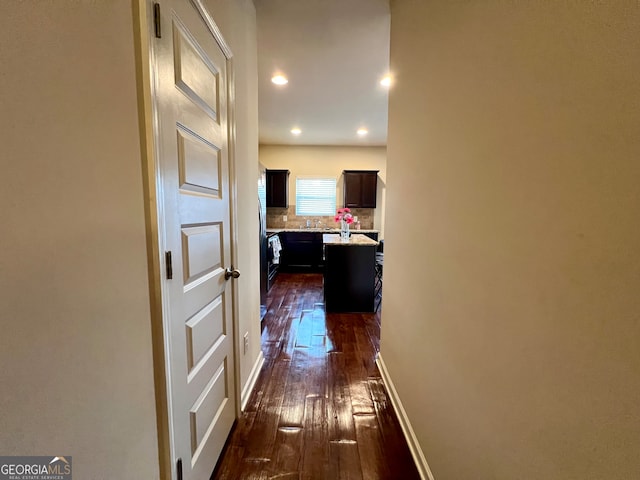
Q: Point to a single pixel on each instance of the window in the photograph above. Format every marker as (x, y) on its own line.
(315, 196)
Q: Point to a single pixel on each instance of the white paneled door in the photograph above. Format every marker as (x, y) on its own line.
(194, 210)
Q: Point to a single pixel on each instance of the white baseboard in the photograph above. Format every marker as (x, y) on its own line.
(251, 381)
(414, 446)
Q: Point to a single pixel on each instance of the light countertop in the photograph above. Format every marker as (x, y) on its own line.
(322, 230)
(356, 239)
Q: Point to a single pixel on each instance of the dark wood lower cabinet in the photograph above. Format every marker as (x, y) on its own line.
(349, 278)
(301, 251)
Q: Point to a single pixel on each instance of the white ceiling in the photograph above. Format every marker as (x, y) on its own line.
(334, 53)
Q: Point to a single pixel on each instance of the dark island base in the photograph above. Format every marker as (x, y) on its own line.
(349, 278)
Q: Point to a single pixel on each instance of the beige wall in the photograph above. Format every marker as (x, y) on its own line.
(77, 371)
(511, 312)
(75, 351)
(331, 161)
(237, 22)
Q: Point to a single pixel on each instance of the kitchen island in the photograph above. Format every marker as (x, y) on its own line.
(349, 273)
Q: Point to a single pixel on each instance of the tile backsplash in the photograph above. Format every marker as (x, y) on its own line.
(274, 218)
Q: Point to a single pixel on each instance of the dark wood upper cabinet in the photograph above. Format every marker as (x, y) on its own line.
(360, 187)
(278, 188)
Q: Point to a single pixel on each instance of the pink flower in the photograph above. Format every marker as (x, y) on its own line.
(344, 214)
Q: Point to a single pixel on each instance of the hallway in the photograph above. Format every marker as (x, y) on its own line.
(319, 409)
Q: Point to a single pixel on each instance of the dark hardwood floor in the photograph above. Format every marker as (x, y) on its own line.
(319, 409)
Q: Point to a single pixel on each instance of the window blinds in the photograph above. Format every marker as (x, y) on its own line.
(315, 196)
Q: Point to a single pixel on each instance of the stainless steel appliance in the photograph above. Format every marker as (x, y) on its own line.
(262, 220)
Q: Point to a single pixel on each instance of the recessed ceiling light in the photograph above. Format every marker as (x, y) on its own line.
(296, 131)
(386, 81)
(362, 132)
(279, 79)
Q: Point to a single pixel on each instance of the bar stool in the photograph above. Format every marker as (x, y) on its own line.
(378, 282)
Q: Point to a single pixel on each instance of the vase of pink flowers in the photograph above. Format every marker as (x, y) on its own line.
(345, 218)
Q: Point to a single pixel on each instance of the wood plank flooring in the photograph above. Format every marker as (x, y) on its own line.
(319, 409)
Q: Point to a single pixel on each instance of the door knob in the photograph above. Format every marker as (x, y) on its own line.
(231, 272)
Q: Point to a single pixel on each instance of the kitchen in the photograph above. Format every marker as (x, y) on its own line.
(323, 93)
(299, 163)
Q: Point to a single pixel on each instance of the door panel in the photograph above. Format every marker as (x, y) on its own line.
(193, 152)
(199, 164)
(195, 75)
(205, 410)
(201, 252)
(203, 330)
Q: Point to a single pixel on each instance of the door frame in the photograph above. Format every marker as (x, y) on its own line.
(146, 62)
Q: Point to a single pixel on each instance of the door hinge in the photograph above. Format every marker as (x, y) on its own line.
(179, 469)
(156, 20)
(169, 265)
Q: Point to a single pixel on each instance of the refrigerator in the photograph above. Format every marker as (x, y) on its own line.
(262, 221)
